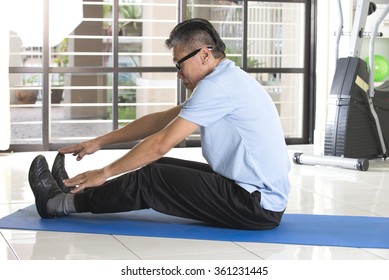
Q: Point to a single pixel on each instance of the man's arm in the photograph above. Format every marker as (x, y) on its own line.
(147, 151)
(142, 127)
(136, 130)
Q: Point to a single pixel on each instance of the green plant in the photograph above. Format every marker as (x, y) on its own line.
(30, 80)
(124, 113)
(130, 10)
(60, 58)
(251, 63)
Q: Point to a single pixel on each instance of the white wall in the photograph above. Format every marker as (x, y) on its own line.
(328, 20)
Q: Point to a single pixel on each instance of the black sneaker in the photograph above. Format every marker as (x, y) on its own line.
(59, 173)
(42, 185)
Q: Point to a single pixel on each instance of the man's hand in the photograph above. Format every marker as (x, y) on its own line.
(82, 149)
(85, 180)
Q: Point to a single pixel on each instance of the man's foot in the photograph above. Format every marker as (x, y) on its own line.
(42, 185)
(59, 173)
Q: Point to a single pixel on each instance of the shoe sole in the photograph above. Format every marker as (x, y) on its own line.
(56, 174)
(40, 192)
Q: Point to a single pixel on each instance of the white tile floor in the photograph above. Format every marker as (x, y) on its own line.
(315, 190)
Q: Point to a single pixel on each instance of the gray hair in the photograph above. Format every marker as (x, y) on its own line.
(195, 33)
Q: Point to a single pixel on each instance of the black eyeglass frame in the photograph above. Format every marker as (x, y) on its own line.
(178, 63)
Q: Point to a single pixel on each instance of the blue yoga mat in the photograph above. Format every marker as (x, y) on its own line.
(302, 229)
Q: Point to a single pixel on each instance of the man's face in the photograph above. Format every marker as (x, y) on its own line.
(191, 68)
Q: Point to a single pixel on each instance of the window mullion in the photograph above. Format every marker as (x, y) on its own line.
(46, 118)
(115, 54)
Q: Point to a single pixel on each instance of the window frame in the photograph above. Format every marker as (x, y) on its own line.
(308, 71)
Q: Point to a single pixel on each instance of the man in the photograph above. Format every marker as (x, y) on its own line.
(245, 183)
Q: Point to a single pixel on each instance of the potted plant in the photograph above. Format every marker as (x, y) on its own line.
(57, 93)
(131, 11)
(28, 94)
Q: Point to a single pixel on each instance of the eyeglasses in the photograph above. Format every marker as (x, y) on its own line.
(178, 64)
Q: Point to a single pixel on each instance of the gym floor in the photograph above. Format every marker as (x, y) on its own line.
(315, 190)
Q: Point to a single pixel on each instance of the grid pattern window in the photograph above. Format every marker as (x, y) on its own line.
(273, 40)
(106, 64)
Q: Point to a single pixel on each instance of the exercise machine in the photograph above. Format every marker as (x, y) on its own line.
(357, 126)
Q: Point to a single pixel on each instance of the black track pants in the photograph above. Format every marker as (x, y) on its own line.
(181, 188)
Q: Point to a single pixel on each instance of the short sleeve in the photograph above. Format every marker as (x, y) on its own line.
(208, 104)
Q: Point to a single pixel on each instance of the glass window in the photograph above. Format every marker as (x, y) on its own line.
(81, 108)
(108, 65)
(287, 92)
(142, 94)
(275, 35)
(143, 29)
(26, 108)
(274, 40)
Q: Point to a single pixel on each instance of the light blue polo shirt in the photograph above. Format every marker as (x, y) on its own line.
(241, 134)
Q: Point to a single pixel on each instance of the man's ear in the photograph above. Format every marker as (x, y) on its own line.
(205, 55)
